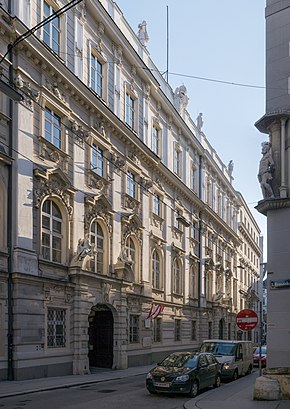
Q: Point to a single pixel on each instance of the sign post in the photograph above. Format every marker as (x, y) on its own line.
(247, 320)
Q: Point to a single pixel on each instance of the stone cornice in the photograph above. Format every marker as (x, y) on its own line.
(272, 204)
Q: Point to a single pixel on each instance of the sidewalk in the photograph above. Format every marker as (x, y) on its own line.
(13, 388)
(234, 395)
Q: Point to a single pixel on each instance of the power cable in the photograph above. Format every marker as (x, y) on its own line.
(31, 31)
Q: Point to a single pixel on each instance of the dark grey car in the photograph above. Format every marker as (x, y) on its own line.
(184, 372)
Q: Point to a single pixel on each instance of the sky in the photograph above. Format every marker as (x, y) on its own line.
(220, 40)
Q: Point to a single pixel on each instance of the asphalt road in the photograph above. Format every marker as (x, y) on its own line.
(127, 393)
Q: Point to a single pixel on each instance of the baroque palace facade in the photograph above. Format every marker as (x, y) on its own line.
(113, 202)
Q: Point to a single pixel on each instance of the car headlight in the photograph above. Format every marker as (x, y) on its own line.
(182, 378)
(149, 376)
(226, 365)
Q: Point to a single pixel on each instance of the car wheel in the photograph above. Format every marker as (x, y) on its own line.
(194, 389)
(235, 375)
(249, 371)
(217, 383)
(152, 392)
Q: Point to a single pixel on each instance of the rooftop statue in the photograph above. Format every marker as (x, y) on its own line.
(180, 99)
(142, 33)
(266, 170)
(199, 121)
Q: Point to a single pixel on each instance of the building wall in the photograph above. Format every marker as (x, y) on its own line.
(194, 228)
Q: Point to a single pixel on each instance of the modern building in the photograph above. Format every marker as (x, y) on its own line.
(122, 237)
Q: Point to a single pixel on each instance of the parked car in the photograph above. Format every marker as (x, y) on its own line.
(184, 372)
(256, 356)
(235, 357)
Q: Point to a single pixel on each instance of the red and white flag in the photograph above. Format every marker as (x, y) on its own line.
(155, 310)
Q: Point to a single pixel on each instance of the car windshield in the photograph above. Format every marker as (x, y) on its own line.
(263, 350)
(219, 348)
(180, 361)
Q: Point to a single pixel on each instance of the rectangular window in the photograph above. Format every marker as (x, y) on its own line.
(177, 330)
(157, 329)
(79, 37)
(97, 160)
(96, 75)
(134, 329)
(52, 128)
(51, 30)
(177, 162)
(193, 330)
(131, 184)
(155, 140)
(192, 181)
(129, 111)
(56, 329)
(156, 204)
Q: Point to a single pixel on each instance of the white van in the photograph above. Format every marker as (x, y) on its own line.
(236, 357)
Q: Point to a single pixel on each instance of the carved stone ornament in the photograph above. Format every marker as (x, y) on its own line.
(53, 184)
(53, 87)
(134, 158)
(98, 208)
(29, 94)
(146, 183)
(130, 225)
(131, 203)
(81, 10)
(79, 132)
(85, 248)
(118, 53)
(117, 160)
(159, 184)
(50, 152)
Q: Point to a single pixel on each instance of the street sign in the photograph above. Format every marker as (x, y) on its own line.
(247, 320)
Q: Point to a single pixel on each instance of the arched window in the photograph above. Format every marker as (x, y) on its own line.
(193, 289)
(97, 240)
(131, 253)
(51, 237)
(156, 278)
(177, 287)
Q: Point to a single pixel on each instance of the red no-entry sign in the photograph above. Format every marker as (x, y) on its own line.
(247, 320)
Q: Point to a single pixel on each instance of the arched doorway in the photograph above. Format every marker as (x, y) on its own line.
(101, 327)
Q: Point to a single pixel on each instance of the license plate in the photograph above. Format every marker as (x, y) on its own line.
(162, 385)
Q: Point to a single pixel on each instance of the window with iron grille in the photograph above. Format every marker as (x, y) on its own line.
(51, 30)
(177, 330)
(56, 329)
(134, 329)
(157, 322)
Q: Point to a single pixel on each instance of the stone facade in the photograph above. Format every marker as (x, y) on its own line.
(113, 202)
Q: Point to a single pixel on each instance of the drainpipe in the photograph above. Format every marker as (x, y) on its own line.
(10, 373)
(283, 189)
(199, 233)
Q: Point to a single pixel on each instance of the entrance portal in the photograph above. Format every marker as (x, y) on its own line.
(101, 325)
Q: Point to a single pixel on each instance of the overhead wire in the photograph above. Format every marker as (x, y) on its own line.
(47, 20)
(108, 160)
